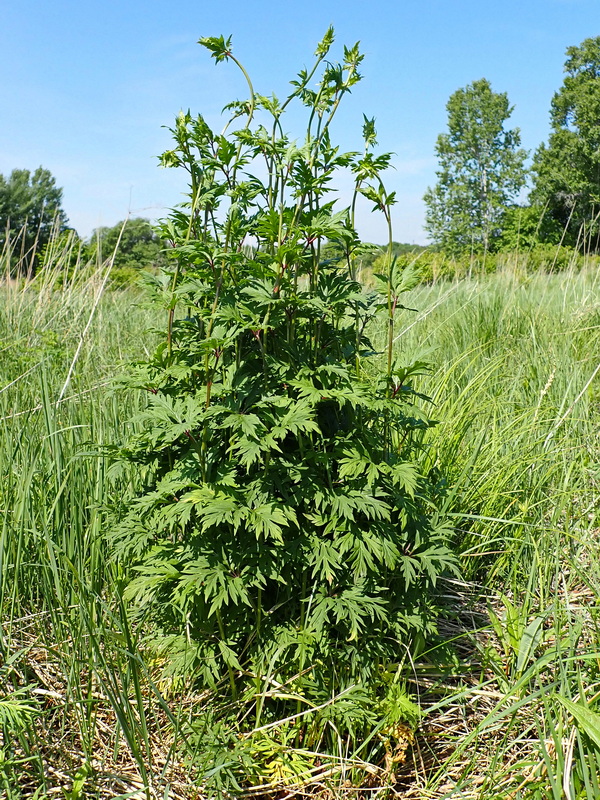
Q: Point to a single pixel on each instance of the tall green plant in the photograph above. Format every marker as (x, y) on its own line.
(287, 539)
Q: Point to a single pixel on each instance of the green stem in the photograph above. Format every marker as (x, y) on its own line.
(258, 612)
(302, 626)
(229, 667)
(390, 303)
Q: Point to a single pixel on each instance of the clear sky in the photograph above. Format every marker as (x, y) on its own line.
(87, 87)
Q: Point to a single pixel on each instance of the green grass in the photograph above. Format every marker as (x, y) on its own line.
(515, 389)
(66, 650)
(516, 392)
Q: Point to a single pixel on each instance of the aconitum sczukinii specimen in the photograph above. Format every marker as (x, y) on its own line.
(288, 536)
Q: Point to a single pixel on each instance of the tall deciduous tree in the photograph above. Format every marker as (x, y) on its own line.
(481, 170)
(567, 169)
(30, 206)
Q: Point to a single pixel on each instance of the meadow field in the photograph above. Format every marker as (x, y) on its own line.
(500, 704)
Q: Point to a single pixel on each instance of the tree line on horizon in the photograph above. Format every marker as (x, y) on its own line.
(482, 171)
(32, 216)
(474, 208)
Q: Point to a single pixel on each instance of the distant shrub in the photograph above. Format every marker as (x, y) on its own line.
(433, 266)
(133, 245)
(526, 227)
(542, 257)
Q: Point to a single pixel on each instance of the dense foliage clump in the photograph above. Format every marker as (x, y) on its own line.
(567, 169)
(288, 541)
(133, 245)
(30, 213)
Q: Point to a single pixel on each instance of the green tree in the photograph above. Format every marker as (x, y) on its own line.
(134, 244)
(30, 209)
(524, 227)
(481, 171)
(567, 169)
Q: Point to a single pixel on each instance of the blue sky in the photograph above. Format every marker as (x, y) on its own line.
(86, 88)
